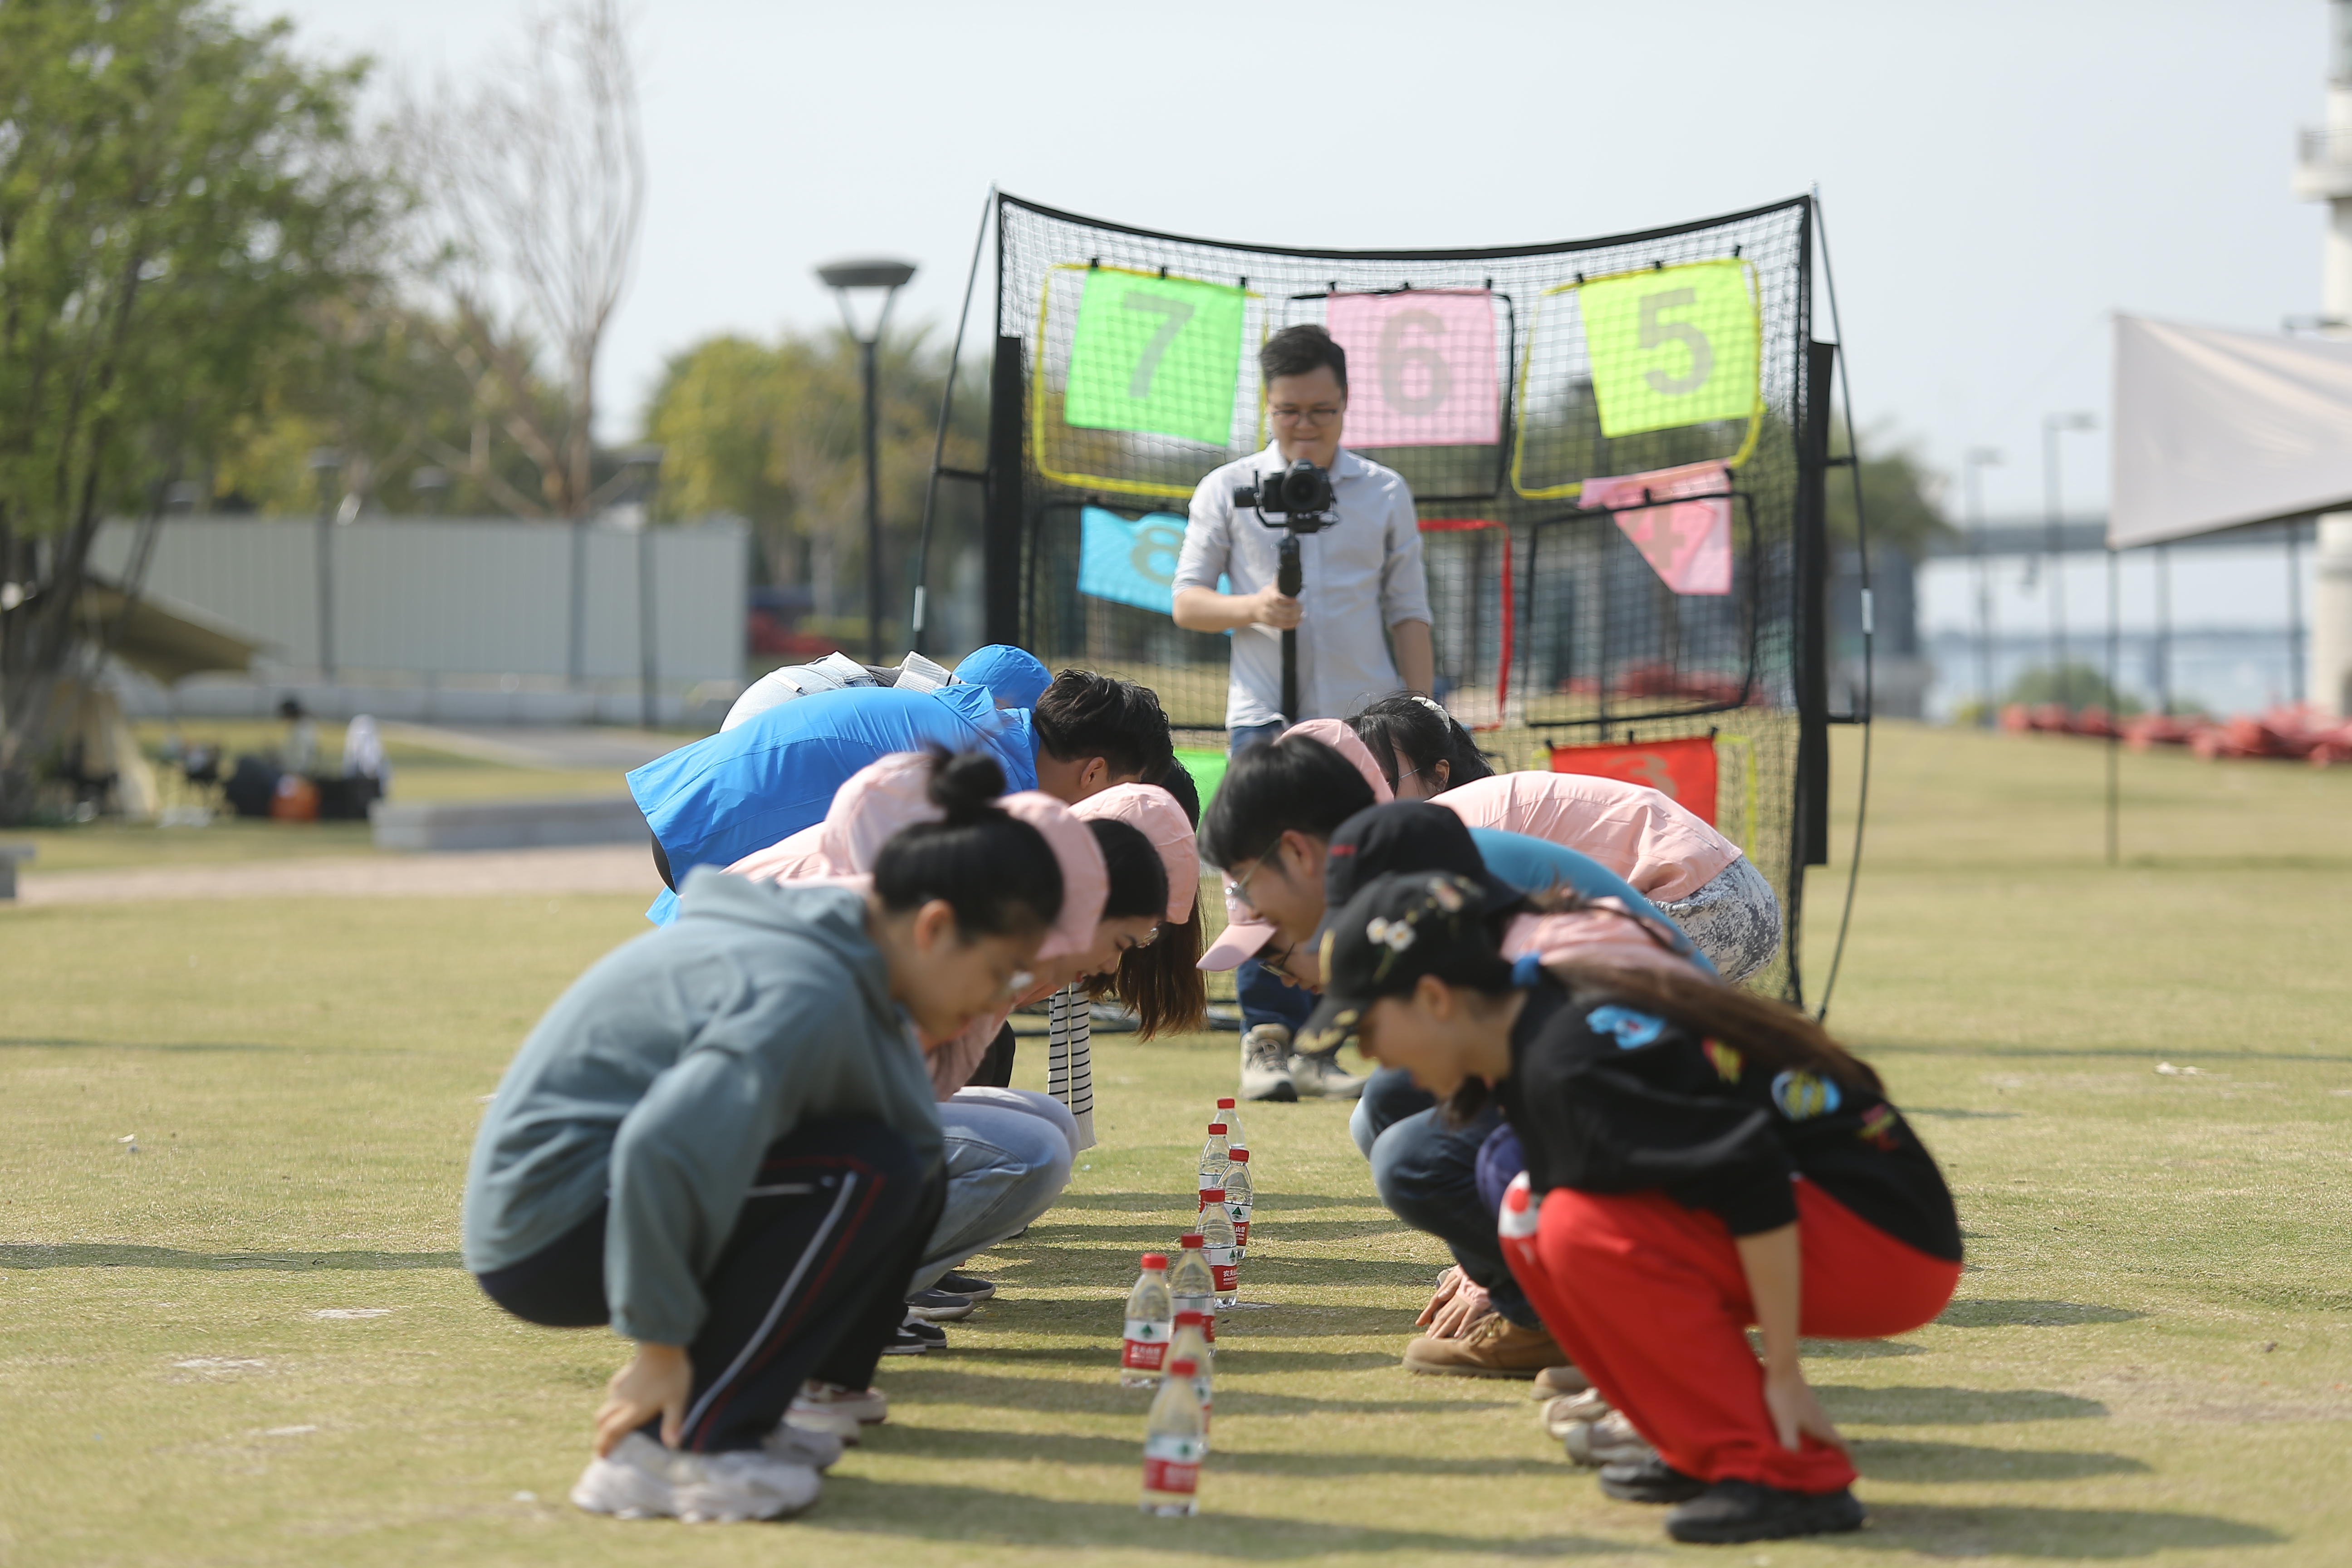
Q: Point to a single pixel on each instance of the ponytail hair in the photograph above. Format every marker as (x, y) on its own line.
(1769, 1032)
(1407, 732)
(996, 873)
(1159, 982)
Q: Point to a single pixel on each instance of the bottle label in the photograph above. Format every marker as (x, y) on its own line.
(1171, 1463)
(1241, 1231)
(1146, 1345)
(1201, 1392)
(1225, 1268)
(1240, 1215)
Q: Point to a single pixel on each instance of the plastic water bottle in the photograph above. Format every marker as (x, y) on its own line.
(1193, 1284)
(1241, 1196)
(1219, 1247)
(1151, 1312)
(1174, 1443)
(1234, 1142)
(1216, 1155)
(1192, 1344)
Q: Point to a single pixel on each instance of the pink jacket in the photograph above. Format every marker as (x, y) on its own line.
(1662, 849)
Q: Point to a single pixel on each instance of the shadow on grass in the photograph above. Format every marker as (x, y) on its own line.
(1936, 1406)
(1900, 1459)
(2023, 1531)
(938, 1385)
(1958, 1115)
(108, 1254)
(1988, 1314)
(854, 1505)
(1068, 1449)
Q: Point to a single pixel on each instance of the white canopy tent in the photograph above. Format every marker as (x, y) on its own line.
(2216, 429)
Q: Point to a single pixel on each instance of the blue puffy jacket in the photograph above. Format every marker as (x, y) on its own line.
(716, 801)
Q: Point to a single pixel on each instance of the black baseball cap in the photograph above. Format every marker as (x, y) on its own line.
(1396, 929)
(1405, 835)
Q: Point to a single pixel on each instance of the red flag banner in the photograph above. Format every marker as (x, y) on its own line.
(1682, 771)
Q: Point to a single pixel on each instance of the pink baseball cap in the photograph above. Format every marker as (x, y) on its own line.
(1153, 812)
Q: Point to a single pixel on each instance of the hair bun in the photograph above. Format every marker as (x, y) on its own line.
(965, 786)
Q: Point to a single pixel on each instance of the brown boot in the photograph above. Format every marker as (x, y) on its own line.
(1492, 1347)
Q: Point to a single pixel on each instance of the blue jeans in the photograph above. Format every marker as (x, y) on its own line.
(1008, 1157)
(1427, 1174)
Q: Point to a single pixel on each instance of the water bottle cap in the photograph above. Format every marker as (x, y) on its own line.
(1184, 1366)
(1155, 1260)
(1194, 1239)
(1241, 1156)
(1213, 1194)
(1225, 1104)
(1216, 1130)
(1184, 1318)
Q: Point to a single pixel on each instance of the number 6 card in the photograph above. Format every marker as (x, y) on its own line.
(1421, 367)
(1671, 345)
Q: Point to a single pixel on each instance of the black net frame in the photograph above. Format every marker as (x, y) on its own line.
(1552, 628)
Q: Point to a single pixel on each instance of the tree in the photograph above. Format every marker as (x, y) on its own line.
(772, 435)
(1901, 496)
(175, 189)
(534, 185)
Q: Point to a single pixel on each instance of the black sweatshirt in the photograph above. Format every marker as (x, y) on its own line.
(1609, 1098)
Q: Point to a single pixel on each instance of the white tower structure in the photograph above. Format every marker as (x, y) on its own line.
(2324, 174)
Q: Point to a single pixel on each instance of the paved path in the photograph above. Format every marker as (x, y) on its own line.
(596, 746)
(599, 869)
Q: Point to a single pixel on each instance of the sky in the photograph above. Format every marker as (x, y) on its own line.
(1997, 178)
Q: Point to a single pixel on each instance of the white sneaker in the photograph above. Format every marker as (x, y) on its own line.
(800, 1446)
(741, 1484)
(1611, 1440)
(1265, 1063)
(1323, 1079)
(1567, 1410)
(631, 1482)
(829, 1407)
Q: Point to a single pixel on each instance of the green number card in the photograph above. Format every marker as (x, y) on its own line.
(1155, 354)
(1675, 345)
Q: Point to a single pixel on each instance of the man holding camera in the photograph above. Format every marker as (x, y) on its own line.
(1363, 592)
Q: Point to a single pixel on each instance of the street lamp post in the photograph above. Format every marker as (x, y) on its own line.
(2053, 426)
(846, 278)
(640, 470)
(1976, 460)
(325, 463)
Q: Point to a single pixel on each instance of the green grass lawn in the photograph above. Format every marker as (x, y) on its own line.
(2150, 1359)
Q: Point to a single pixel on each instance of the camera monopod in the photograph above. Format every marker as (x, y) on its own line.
(1301, 496)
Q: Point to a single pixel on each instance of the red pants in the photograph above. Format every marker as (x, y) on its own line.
(1650, 1300)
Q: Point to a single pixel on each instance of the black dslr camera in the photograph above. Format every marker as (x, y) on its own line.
(1301, 492)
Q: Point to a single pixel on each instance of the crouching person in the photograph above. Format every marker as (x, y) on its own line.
(723, 1143)
(1698, 1159)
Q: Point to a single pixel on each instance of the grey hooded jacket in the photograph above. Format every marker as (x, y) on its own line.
(661, 1077)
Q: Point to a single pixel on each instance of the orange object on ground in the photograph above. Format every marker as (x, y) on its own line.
(1683, 771)
(1658, 1317)
(296, 799)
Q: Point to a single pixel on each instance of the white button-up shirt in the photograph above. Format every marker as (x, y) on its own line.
(1360, 576)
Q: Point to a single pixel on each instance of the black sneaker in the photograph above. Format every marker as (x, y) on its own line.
(905, 1341)
(970, 1287)
(1648, 1480)
(1733, 1510)
(931, 1333)
(937, 1306)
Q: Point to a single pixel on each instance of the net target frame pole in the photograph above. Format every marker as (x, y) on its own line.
(2115, 717)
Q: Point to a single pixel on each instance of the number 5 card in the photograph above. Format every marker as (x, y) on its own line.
(1155, 354)
(1673, 345)
(1421, 367)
